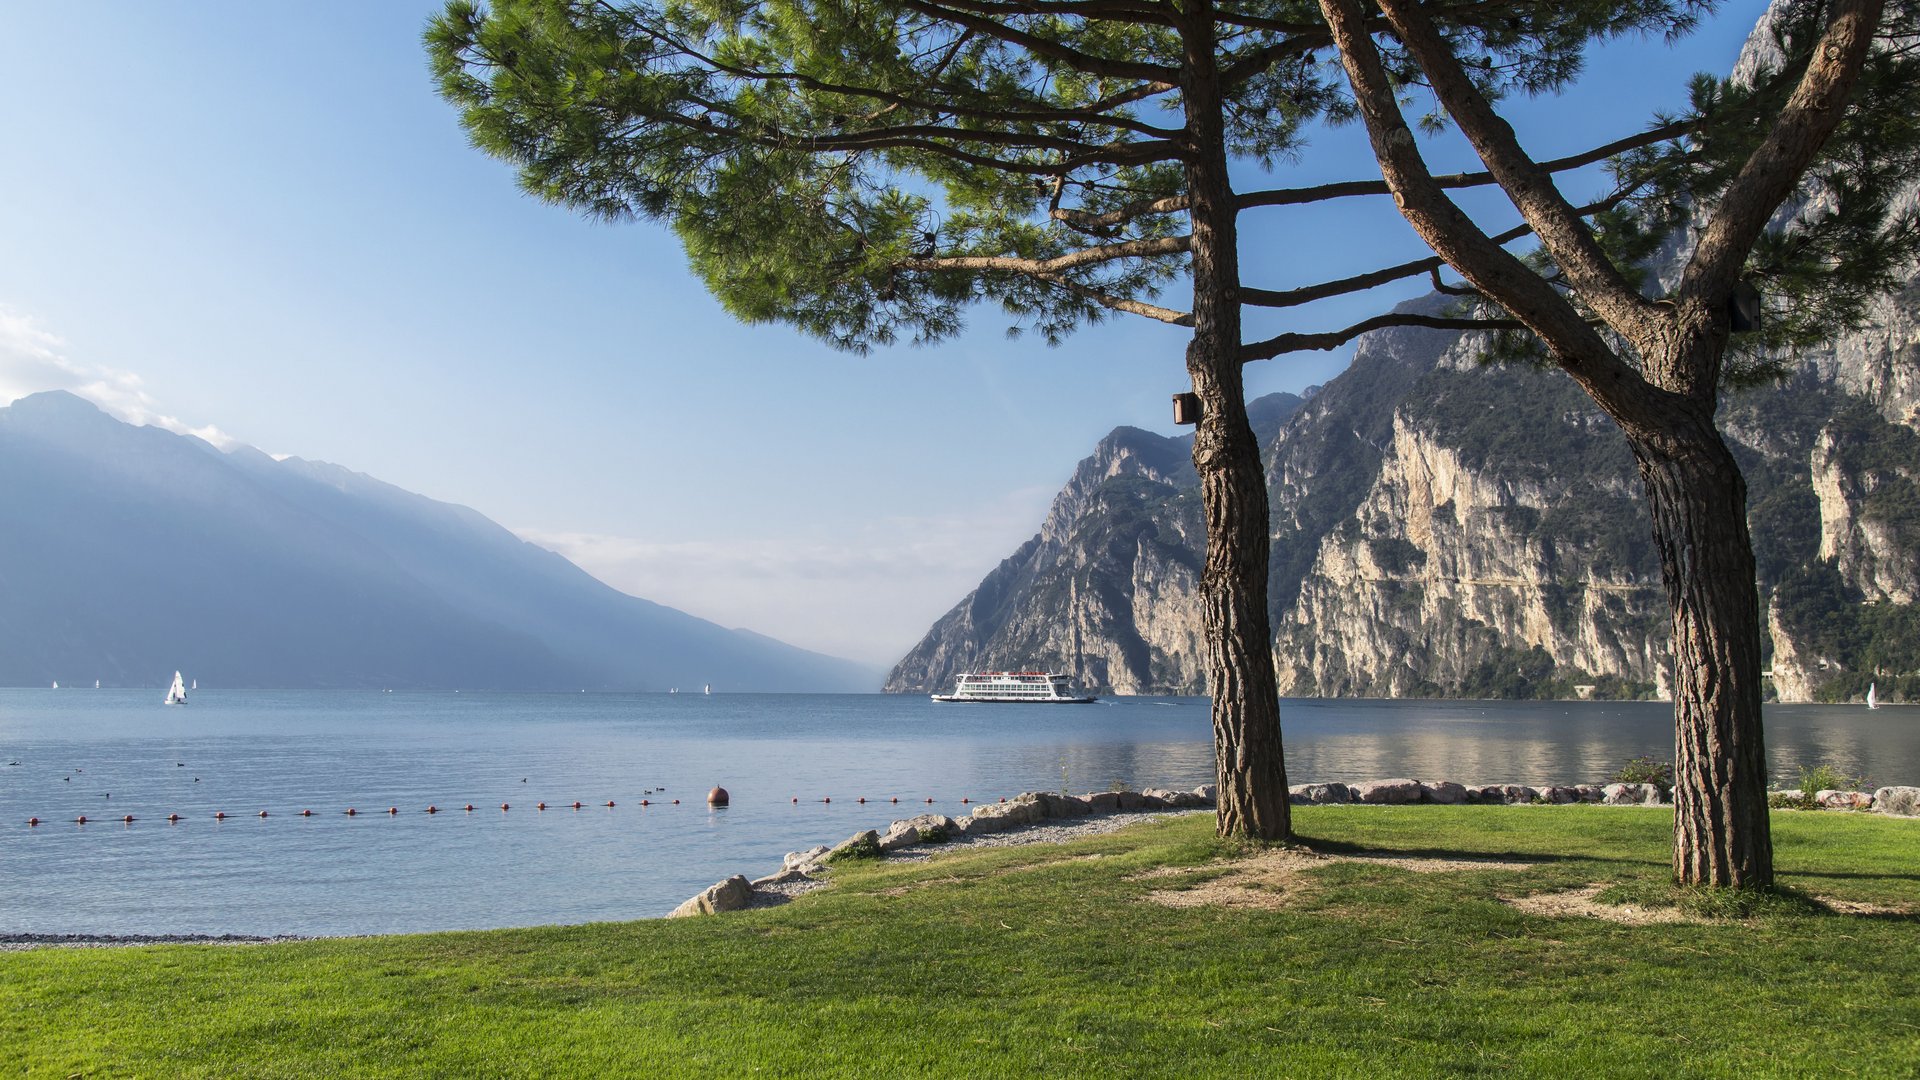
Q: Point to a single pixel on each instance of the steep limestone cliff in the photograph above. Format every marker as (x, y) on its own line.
(1441, 527)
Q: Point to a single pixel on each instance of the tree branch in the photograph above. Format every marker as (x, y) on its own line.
(1333, 339)
(1348, 188)
(1119, 303)
(1307, 294)
(1774, 168)
(1576, 346)
(1565, 235)
(1047, 47)
(1093, 256)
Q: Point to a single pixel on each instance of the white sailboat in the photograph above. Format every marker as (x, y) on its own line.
(56, 684)
(177, 693)
(709, 690)
(96, 684)
(1872, 702)
(196, 684)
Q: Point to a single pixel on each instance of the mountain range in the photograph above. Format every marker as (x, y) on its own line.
(1442, 526)
(127, 552)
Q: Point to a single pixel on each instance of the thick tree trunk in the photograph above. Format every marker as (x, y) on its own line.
(1698, 501)
(1249, 765)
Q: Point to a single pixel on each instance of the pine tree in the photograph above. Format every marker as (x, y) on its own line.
(1832, 129)
(869, 171)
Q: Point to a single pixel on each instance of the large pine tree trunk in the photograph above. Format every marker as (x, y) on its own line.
(1249, 765)
(1698, 501)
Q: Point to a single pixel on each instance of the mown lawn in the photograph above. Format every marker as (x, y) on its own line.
(1045, 961)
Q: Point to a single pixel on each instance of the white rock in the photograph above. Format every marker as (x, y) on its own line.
(1904, 801)
(729, 895)
(1399, 790)
(809, 857)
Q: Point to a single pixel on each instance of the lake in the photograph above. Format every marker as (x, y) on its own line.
(108, 753)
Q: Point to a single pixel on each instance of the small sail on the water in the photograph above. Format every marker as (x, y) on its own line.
(56, 684)
(96, 684)
(196, 684)
(1872, 702)
(177, 693)
(709, 689)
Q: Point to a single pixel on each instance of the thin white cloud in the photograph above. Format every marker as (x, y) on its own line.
(868, 596)
(33, 359)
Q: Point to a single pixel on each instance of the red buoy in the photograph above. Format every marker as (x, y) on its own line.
(33, 821)
(220, 815)
(81, 820)
(469, 808)
(351, 811)
(171, 818)
(717, 797)
(862, 800)
(393, 809)
(263, 813)
(929, 800)
(539, 806)
(433, 809)
(609, 802)
(306, 813)
(896, 798)
(796, 798)
(646, 802)
(676, 802)
(576, 804)
(503, 806)
(128, 819)
(963, 799)
(1003, 798)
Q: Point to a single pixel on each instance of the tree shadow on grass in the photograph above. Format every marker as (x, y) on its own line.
(1461, 854)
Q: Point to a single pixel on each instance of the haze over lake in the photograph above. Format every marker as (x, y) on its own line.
(244, 751)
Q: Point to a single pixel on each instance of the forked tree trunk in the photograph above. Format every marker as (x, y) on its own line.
(1248, 763)
(1698, 501)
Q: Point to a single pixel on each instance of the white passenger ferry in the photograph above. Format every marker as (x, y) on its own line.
(1001, 686)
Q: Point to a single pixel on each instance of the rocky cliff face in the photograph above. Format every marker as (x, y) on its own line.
(1441, 527)
(1108, 589)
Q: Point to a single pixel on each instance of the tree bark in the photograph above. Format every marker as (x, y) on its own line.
(1248, 761)
(1698, 502)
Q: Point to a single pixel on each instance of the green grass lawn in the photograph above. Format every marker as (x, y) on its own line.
(1050, 961)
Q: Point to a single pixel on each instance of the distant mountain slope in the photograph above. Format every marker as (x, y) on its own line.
(1441, 528)
(128, 552)
(1107, 589)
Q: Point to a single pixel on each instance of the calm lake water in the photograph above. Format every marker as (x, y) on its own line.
(107, 753)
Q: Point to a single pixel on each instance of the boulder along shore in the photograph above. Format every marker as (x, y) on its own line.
(1041, 817)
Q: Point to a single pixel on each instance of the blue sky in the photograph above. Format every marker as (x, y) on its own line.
(258, 222)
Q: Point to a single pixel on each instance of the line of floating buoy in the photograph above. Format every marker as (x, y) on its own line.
(717, 797)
